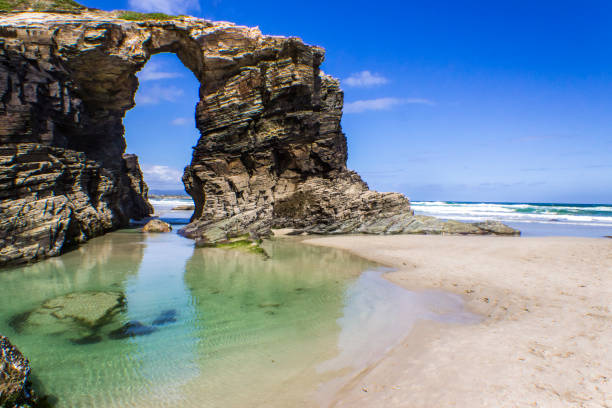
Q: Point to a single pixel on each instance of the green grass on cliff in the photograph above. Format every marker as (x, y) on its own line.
(136, 16)
(40, 5)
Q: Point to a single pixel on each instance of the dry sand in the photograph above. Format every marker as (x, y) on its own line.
(546, 340)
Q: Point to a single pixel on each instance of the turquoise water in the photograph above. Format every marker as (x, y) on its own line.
(191, 327)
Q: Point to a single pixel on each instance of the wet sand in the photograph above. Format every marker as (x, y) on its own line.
(546, 339)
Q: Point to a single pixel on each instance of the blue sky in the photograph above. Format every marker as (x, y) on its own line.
(445, 100)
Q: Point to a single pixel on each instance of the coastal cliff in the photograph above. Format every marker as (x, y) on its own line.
(271, 151)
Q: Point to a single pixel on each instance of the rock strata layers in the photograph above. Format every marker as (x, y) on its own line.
(271, 151)
(15, 386)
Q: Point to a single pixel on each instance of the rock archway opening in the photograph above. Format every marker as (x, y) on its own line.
(161, 129)
(269, 151)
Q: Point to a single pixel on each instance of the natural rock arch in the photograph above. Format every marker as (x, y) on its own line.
(271, 150)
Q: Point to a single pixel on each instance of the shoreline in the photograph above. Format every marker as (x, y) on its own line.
(546, 335)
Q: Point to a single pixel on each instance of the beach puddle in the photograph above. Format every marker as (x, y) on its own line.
(146, 320)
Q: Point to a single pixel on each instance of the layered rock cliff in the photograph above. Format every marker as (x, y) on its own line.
(271, 151)
(15, 385)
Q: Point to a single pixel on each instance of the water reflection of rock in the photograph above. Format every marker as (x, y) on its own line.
(276, 317)
(72, 304)
(161, 315)
(102, 263)
(292, 267)
(79, 292)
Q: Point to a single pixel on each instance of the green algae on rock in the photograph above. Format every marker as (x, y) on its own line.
(242, 243)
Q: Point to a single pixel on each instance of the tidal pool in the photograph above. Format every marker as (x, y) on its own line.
(147, 320)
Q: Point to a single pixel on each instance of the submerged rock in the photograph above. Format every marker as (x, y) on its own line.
(86, 310)
(157, 226)
(131, 329)
(165, 317)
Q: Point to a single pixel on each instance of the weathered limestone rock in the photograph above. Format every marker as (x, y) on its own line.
(136, 196)
(156, 226)
(271, 150)
(409, 224)
(15, 387)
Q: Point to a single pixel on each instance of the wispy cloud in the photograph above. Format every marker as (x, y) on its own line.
(365, 79)
(598, 166)
(156, 94)
(165, 6)
(541, 138)
(535, 169)
(153, 72)
(180, 121)
(158, 176)
(382, 104)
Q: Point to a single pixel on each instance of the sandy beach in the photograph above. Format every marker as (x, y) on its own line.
(546, 336)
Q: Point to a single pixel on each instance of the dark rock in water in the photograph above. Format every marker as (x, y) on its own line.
(269, 304)
(18, 321)
(165, 317)
(131, 329)
(87, 310)
(91, 339)
(15, 384)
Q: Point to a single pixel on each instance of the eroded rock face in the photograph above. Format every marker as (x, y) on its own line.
(15, 387)
(271, 151)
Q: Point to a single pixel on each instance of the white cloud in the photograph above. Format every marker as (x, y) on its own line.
(156, 94)
(152, 72)
(382, 104)
(180, 122)
(157, 176)
(165, 6)
(365, 79)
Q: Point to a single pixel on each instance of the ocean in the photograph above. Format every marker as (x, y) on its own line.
(532, 219)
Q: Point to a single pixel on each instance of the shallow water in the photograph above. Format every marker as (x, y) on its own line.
(209, 327)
